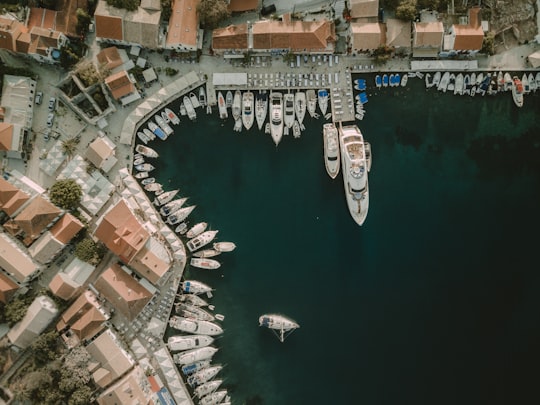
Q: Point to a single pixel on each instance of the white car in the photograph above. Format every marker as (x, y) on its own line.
(50, 119)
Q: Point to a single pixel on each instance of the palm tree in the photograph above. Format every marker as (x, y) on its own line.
(69, 146)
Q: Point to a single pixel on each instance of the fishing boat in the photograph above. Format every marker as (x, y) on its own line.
(236, 108)
(207, 253)
(178, 343)
(141, 175)
(288, 109)
(214, 398)
(300, 106)
(204, 374)
(279, 324)
(180, 215)
(311, 98)
(517, 91)
(331, 149)
(202, 96)
(195, 327)
(195, 287)
(153, 187)
(196, 229)
(181, 228)
(207, 388)
(194, 100)
(194, 355)
(248, 103)
(172, 116)
(296, 129)
(378, 81)
(192, 299)
(355, 178)
(261, 108)
(222, 107)
(165, 197)
(143, 137)
(157, 131)
(149, 134)
(189, 369)
(391, 80)
(205, 263)
(322, 98)
(146, 151)
(163, 125)
(194, 312)
(458, 86)
(145, 167)
(190, 110)
(229, 99)
(532, 82)
(385, 80)
(202, 240)
(172, 206)
(276, 116)
(224, 246)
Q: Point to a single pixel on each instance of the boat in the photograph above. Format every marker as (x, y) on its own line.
(458, 86)
(385, 80)
(138, 161)
(224, 246)
(276, 116)
(194, 355)
(146, 151)
(196, 229)
(195, 287)
(288, 109)
(508, 82)
(172, 206)
(165, 117)
(300, 106)
(367, 147)
(165, 197)
(229, 99)
(163, 125)
(537, 80)
(144, 167)
(355, 178)
(157, 131)
(202, 240)
(207, 388)
(190, 110)
(391, 80)
(532, 82)
(205, 263)
(261, 108)
(202, 96)
(178, 343)
(194, 100)
(436, 79)
(141, 175)
(404, 80)
(397, 79)
(222, 107)
(296, 129)
(207, 253)
(322, 98)
(428, 82)
(311, 101)
(204, 374)
(180, 215)
(151, 185)
(525, 83)
(248, 103)
(172, 116)
(189, 369)
(517, 91)
(279, 324)
(192, 299)
(214, 398)
(181, 228)
(142, 136)
(149, 134)
(331, 149)
(466, 84)
(192, 311)
(195, 327)
(183, 110)
(236, 108)
(378, 81)
(443, 83)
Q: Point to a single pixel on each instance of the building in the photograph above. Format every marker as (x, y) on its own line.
(15, 262)
(364, 10)
(465, 38)
(366, 37)
(133, 388)
(101, 153)
(109, 58)
(39, 315)
(66, 16)
(11, 140)
(8, 288)
(183, 33)
(427, 39)
(18, 101)
(122, 88)
(11, 197)
(398, 34)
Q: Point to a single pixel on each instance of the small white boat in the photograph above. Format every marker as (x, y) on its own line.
(279, 324)
(194, 355)
(214, 398)
(508, 82)
(205, 263)
(404, 80)
(436, 79)
(385, 80)
(261, 108)
(300, 106)
(144, 167)
(532, 82)
(202, 96)
(525, 83)
(222, 107)
(458, 86)
(203, 375)
(153, 187)
(192, 115)
(207, 253)
(276, 116)
(195, 327)
(466, 83)
(288, 109)
(331, 149)
(178, 343)
(378, 81)
(172, 116)
(194, 100)
(202, 240)
(181, 228)
(189, 369)
(322, 98)
(248, 105)
(141, 175)
(296, 129)
(224, 246)
(537, 80)
(192, 299)
(146, 151)
(143, 137)
(196, 230)
(149, 134)
(207, 388)
(180, 215)
(165, 197)
(427, 78)
(517, 91)
(194, 312)
(163, 125)
(138, 161)
(172, 206)
(443, 83)
(183, 110)
(311, 98)
(229, 99)
(237, 105)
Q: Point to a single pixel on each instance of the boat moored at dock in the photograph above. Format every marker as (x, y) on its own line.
(261, 108)
(146, 151)
(288, 109)
(276, 116)
(322, 98)
(222, 107)
(196, 229)
(237, 105)
(195, 287)
(202, 240)
(205, 263)
(190, 109)
(248, 103)
(517, 91)
(178, 343)
(331, 149)
(194, 355)
(195, 327)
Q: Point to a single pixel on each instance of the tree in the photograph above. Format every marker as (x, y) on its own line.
(88, 73)
(88, 251)
(81, 396)
(488, 45)
(166, 10)
(212, 12)
(130, 5)
(65, 194)
(406, 11)
(15, 309)
(68, 58)
(45, 347)
(83, 21)
(69, 146)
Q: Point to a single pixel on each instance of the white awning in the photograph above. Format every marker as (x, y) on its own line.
(229, 79)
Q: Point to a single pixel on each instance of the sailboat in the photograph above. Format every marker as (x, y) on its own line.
(247, 109)
(261, 108)
(279, 324)
(312, 103)
(300, 107)
(288, 109)
(237, 105)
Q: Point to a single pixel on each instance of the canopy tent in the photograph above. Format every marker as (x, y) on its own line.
(174, 380)
(149, 75)
(534, 59)
(54, 159)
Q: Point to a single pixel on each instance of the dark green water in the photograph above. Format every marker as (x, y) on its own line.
(433, 301)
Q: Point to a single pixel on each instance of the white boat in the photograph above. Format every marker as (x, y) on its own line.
(172, 206)
(222, 107)
(189, 369)
(196, 229)
(404, 80)
(367, 147)
(202, 96)
(180, 215)
(172, 116)
(311, 98)
(142, 136)
(443, 83)
(181, 228)
(157, 131)
(322, 98)
(178, 343)
(192, 299)
(508, 82)
(224, 246)
(194, 100)
(279, 324)
(183, 110)
(525, 83)
(207, 253)
(296, 129)
(207, 388)
(203, 375)
(146, 151)
(261, 108)
(204, 263)
(458, 86)
(427, 78)
(194, 355)
(378, 81)
(385, 80)
(192, 115)
(237, 105)
(288, 109)
(202, 240)
(355, 173)
(532, 82)
(141, 175)
(300, 106)
(138, 161)
(214, 398)
(276, 116)
(145, 167)
(436, 79)
(195, 287)
(466, 83)
(248, 103)
(153, 187)
(165, 197)
(149, 134)
(195, 327)
(163, 125)
(517, 91)
(194, 312)
(331, 149)
(537, 80)
(229, 99)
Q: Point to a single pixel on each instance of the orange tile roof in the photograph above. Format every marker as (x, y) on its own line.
(231, 37)
(11, 198)
(66, 228)
(36, 217)
(149, 266)
(109, 57)
(6, 135)
(109, 27)
(61, 287)
(184, 23)
(428, 34)
(83, 317)
(297, 36)
(367, 36)
(119, 84)
(42, 17)
(7, 288)
(10, 30)
(364, 8)
(66, 17)
(237, 6)
(471, 36)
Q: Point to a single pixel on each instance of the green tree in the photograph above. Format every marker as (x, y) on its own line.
(130, 5)
(83, 21)
(488, 45)
(406, 11)
(166, 10)
(81, 396)
(69, 146)
(65, 194)
(212, 12)
(45, 347)
(68, 58)
(16, 309)
(88, 251)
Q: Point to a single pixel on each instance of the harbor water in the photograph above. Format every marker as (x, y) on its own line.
(433, 301)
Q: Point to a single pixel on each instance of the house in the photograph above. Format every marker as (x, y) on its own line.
(133, 388)
(71, 279)
(53, 241)
(140, 27)
(123, 291)
(66, 16)
(183, 33)
(110, 58)
(18, 101)
(8, 288)
(466, 38)
(11, 140)
(12, 198)
(427, 39)
(101, 153)
(15, 262)
(398, 34)
(122, 88)
(39, 315)
(366, 37)
(364, 10)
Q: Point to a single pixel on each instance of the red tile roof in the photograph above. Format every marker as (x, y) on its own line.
(66, 228)
(237, 6)
(109, 27)
(119, 84)
(7, 288)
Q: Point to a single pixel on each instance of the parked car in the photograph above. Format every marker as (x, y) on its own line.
(47, 134)
(52, 104)
(39, 97)
(50, 119)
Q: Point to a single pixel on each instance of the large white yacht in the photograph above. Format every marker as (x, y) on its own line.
(276, 116)
(288, 108)
(331, 149)
(247, 109)
(300, 106)
(355, 171)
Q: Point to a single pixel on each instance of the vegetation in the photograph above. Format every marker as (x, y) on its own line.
(15, 310)
(45, 348)
(69, 146)
(16, 71)
(169, 71)
(89, 251)
(130, 5)
(406, 11)
(488, 46)
(88, 74)
(83, 21)
(72, 53)
(166, 9)
(66, 194)
(382, 54)
(100, 99)
(212, 12)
